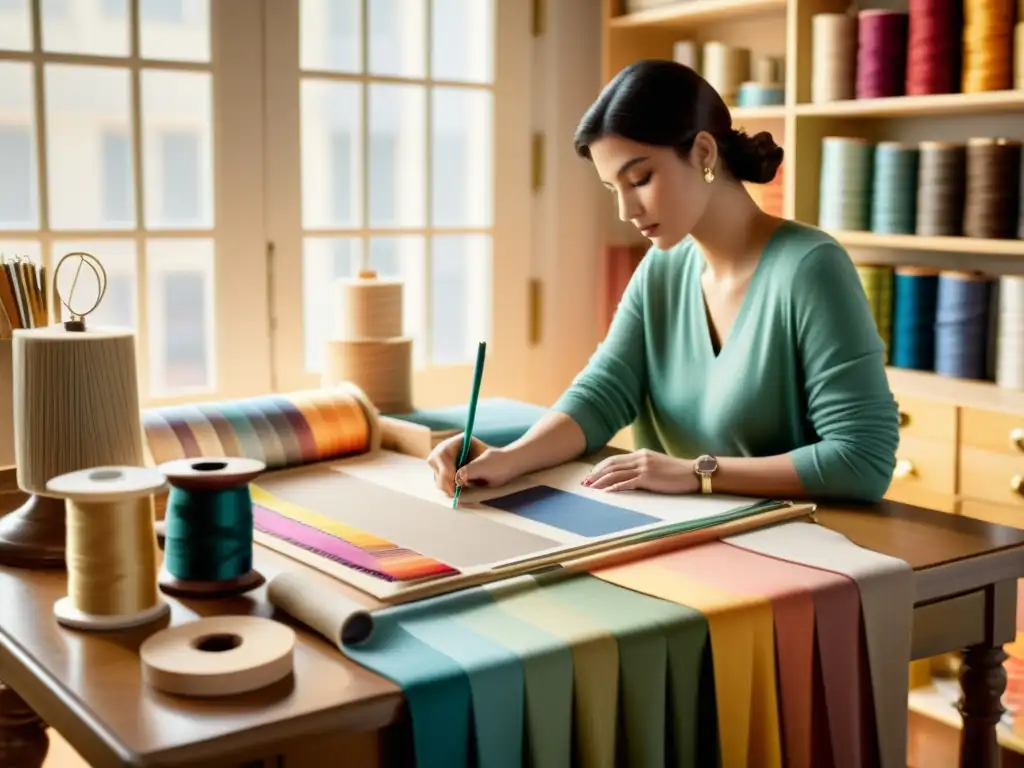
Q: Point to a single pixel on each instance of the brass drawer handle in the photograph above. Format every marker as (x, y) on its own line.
(904, 469)
(1017, 484)
(1017, 438)
(904, 418)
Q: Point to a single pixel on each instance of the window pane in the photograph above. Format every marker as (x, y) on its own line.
(177, 149)
(460, 290)
(331, 154)
(324, 260)
(174, 30)
(119, 306)
(331, 33)
(462, 40)
(180, 309)
(404, 258)
(88, 141)
(398, 38)
(18, 191)
(398, 162)
(99, 28)
(461, 159)
(15, 25)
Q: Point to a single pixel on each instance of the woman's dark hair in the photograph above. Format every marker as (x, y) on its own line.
(666, 104)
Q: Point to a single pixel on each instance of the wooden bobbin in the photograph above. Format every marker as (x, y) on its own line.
(109, 491)
(209, 475)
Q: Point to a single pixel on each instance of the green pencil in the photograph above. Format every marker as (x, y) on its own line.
(467, 436)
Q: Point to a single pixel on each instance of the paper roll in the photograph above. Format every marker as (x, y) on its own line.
(76, 402)
(340, 620)
(381, 368)
(369, 308)
(218, 656)
(726, 68)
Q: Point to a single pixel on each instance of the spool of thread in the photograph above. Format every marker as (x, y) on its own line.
(768, 70)
(218, 656)
(687, 53)
(318, 606)
(111, 548)
(369, 308)
(1010, 333)
(881, 53)
(988, 45)
(961, 325)
(382, 368)
(934, 47)
(208, 527)
(844, 201)
(915, 297)
(894, 193)
(726, 68)
(834, 47)
(992, 199)
(878, 287)
(759, 95)
(941, 184)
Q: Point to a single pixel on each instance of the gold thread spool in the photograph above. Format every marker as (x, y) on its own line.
(371, 308)
(111, 548)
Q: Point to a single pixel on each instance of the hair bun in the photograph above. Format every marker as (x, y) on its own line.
(752, 158)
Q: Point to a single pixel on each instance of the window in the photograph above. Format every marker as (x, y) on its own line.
(184, 310)
(17, 180)
(161, 11)
(116, 151)
(182, 189)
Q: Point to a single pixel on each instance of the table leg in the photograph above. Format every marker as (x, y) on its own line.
(23, 738)
(982, 682)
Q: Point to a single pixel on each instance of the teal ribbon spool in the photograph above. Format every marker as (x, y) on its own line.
(208, 527)
(894, 196)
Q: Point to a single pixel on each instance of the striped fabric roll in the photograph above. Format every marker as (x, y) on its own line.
(703, 656)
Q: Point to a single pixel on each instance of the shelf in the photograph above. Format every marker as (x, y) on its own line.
(984, 395)
(687, 13)
(934, 244)
(938, 702)
(898, 106)
(757, 113)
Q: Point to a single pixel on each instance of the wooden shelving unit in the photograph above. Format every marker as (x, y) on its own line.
(957, 452)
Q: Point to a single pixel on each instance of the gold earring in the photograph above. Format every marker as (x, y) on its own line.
(709, 175)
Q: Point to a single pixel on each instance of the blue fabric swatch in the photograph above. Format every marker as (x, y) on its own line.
(498, 422)
(570, 512)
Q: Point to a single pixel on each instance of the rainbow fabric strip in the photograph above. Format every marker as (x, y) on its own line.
(340, 543)
(788, 646)
(279, 430)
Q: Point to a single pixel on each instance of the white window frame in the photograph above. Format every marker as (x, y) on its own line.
(508, 348)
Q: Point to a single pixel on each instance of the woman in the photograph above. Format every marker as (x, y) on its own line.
(743, 349)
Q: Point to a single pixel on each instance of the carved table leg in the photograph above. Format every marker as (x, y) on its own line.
(982, 682)
(23, 738)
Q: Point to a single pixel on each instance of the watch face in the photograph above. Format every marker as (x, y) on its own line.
(707, 464)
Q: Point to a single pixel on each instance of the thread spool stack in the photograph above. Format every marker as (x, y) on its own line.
(988, 45)
(915, 291)
(961, 325)
(371, 351)
(834, 48)
(768, 70)
(934, 47)
(726, 68)
(992, 198)
(111, 548)
(845, 187)
(208, 527)
(878, 287)
(881, 53)
(941, 180)
(753, 94)
(1010, 333)
(894, 194)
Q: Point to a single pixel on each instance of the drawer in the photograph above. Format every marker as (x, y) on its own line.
(992, 476)
(925, 474)
(1001, 514)
(993, 431)
(926, 419)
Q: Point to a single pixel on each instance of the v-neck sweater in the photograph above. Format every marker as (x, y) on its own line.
(801, 372)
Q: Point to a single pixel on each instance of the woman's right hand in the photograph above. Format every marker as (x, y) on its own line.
(487, 466)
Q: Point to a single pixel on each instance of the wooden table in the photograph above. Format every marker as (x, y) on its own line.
(88, 686)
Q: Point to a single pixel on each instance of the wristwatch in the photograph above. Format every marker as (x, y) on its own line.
(705, 466)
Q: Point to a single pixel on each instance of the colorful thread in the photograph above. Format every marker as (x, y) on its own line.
(844, 201)
(992, 197)
(834, 46)
(961, 325)
(941, 184)
(881, 53)
(988, 45)
(894, 189)
(934, 47)
(878, 287)
(1010, 333)
(913, 327)
(208, 536)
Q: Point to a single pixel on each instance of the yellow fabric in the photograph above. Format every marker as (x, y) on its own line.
(595, 660)
(742, 642)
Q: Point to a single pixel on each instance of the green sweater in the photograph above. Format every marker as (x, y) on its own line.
(802, 371)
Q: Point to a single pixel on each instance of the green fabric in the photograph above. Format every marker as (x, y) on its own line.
(802, 371)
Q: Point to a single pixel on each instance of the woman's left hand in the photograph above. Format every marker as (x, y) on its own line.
(647, 470)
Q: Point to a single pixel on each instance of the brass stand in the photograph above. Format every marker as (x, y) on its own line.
(33, 535)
